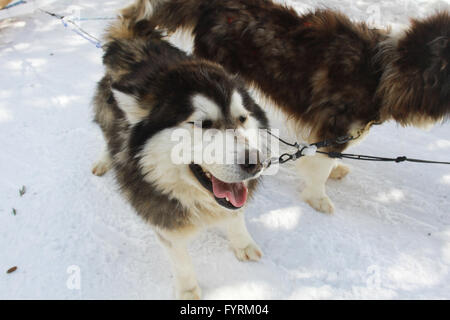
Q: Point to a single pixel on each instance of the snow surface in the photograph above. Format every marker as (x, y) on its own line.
(389, 237)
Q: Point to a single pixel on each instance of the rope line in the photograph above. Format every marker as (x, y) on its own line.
(76, 28)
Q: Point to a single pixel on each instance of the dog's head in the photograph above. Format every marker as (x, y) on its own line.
(416, 82)
(194, 130)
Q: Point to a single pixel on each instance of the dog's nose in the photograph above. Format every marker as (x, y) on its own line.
(252, 163)
(251, 168)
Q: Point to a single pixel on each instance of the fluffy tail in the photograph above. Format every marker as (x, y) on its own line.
(142, 15)
(127, 39)
(416, 83)
(129, 24)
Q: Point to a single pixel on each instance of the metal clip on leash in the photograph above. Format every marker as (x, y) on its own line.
(302, 151)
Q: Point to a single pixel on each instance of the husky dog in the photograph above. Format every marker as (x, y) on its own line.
(331, 76)
(150, 90)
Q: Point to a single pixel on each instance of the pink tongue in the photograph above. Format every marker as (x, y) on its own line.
(235, 192)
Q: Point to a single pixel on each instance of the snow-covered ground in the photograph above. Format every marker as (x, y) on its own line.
(389, 237)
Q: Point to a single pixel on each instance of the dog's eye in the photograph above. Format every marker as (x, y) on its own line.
(242, 119)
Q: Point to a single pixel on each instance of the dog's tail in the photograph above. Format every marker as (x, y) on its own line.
(416, 83)
(128, 25)
(127, 39)
(169, 14)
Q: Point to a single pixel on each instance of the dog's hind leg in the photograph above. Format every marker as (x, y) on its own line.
(103, 164)
(186, 285)
(243, 245)
(316, 170)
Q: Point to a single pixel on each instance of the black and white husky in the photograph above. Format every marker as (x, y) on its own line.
(150, 91)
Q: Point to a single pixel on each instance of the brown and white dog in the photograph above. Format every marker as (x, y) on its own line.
(332, 76)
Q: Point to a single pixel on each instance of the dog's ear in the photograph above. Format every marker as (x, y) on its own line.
(130, 105)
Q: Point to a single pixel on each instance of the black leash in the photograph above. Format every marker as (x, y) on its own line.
(338, 155)
(305, 150)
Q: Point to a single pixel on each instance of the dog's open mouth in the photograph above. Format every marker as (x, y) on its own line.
(232, 196)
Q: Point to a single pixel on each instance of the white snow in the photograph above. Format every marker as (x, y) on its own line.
(389, 237)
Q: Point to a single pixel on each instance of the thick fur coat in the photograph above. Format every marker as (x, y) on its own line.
(150, 90)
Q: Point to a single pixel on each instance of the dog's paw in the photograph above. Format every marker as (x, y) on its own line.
(191, 294)
(322, 203)
(250, 253)
(100, 168)
(339, 172)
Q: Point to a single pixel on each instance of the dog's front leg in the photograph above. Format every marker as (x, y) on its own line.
(243, 245)
(186, 285)
(316, 171)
